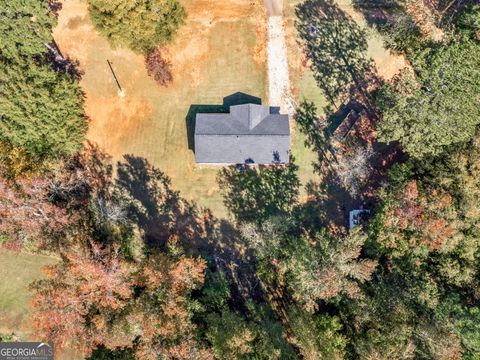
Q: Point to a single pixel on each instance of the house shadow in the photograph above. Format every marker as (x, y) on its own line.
(237, 98)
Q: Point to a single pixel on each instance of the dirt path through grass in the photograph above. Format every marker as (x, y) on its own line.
(274, 7)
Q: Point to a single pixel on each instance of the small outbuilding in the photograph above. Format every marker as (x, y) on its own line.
(248, 134)
(356, 217)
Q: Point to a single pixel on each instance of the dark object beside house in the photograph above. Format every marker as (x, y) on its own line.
(250, 133)
(342, 121)
(346, 125)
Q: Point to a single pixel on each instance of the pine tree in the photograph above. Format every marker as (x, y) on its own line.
(140, 25)
(25, 28)
(41, 109)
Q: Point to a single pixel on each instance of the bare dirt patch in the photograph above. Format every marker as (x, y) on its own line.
(192, 46)
(260, 50)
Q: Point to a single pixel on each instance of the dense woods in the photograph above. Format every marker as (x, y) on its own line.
(146, 274)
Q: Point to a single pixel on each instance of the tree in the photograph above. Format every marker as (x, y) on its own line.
(16, 162)
(22, 17)
(466, 321)
(233, 337)
(316, 268)
(353, 169)
(27, 216)
(141, 25)
(429, 225)
(438, 105)
(159, 68)
(412, 221)
(41, 109)
(405, 24)
(114, 293)
(317, 336)
(95, 297)
(253, 333)
(325, 267)
(469, 23)
(387, 323)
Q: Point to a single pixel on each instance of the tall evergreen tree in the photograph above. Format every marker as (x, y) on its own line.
(25, 28)
(140, 25)
(41, 109)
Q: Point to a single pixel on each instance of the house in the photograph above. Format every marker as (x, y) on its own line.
(248, 134)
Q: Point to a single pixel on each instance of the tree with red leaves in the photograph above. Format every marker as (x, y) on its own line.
(159, 67)
(27, 215)
(98, 298)
(413, 220)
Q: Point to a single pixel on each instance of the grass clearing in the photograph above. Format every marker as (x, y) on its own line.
(303, 82)
(17, 271)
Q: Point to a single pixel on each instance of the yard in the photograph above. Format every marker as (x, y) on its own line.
(303, 83)
(17, 270)
(219, 51)
(304, 86)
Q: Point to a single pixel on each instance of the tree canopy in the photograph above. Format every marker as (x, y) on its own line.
(140, 25)
(41, 107)
(437, 106)
(25, 29)
(144, 274)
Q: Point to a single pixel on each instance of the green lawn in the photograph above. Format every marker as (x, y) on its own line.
(17, 270)
(303, 83)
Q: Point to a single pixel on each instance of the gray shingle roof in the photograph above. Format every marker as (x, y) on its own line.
(248, 133)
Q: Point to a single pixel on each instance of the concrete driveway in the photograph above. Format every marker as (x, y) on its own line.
(274, 7)
(279, 93)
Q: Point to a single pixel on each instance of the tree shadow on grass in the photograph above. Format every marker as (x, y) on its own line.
(377, 12)
(237, 98)
(256, 193)
(158, 210)
(335, 44)
(164, 216)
